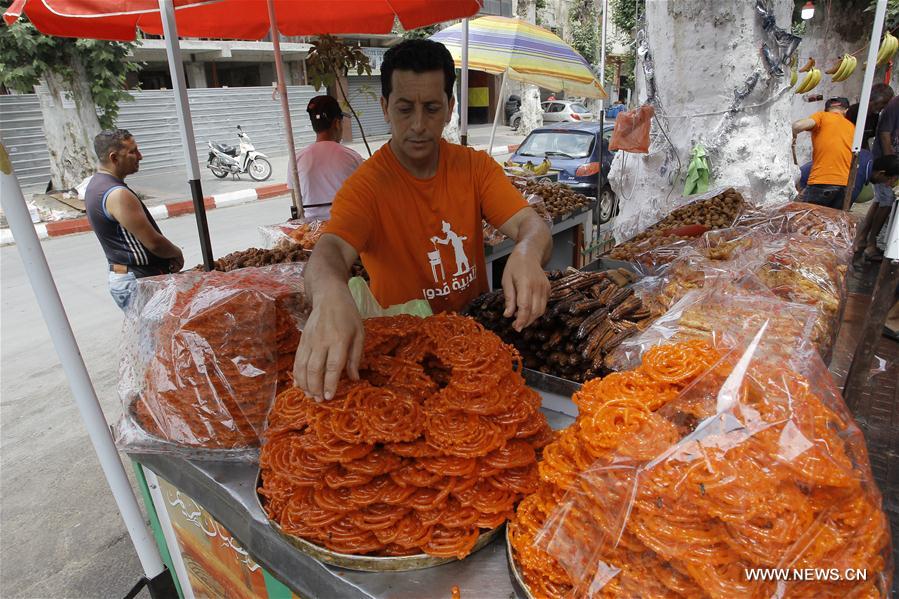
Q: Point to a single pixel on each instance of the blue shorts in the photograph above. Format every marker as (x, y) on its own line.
(883, 194)
(121, 287)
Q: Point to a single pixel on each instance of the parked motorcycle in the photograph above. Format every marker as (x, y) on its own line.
(227, 160)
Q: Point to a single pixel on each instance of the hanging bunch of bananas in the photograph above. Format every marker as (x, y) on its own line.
(843, 68)
(888, 48)
(812, 78)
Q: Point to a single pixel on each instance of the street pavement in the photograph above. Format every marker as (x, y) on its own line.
(62, 535)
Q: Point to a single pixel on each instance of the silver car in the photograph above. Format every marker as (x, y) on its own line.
(561, 111)
(557, 111)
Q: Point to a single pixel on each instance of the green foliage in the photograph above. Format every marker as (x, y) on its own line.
(420, 33)
(26, 55)
(892, 14)
(584, 30)
(330, 58)
(624, 14)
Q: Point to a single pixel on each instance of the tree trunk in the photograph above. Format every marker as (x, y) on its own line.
(709, 86)
(531, 113)
(70, 125)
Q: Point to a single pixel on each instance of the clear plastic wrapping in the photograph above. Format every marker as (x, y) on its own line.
(303, 232)
(203, 356)
(818, 222)
(707, 472)
(724, 311)
(795, 268)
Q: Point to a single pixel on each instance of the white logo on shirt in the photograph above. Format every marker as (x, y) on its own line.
(465, 273)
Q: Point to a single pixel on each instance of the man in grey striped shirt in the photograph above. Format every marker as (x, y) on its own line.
(131, 239)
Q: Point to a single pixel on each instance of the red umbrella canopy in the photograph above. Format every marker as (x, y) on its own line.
(119, 20)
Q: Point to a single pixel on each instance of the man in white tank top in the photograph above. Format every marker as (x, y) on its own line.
(325, 165)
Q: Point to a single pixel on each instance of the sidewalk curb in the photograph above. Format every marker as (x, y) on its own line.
(161, 212)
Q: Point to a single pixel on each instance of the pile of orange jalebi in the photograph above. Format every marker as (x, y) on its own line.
(224, 348)
(435, 443)
(637, 500)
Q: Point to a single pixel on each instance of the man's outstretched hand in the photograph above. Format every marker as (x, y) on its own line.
(526, 289)
(331, 342)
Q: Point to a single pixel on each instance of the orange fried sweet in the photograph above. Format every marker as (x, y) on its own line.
(637, 498)
(434, 445)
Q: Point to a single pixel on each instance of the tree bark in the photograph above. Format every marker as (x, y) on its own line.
(704, 57)
(70, 124)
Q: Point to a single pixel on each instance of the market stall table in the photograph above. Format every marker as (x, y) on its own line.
(217, 501)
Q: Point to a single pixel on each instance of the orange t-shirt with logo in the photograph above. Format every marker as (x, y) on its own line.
(831, 149)
(423, 238)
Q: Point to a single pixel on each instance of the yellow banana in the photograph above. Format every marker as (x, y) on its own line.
(846, 70)
(543, 167)
(888, 47)
(844, 64)
(810, 81)
(794, 76)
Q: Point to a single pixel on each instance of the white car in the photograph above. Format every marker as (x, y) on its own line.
(557, 111)
(560, 111)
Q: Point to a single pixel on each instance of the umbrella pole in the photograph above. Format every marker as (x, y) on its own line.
(182, 106)
(867, 82)
(35, 262)
(602, 118)
(285, 110)
(499, 105)
(463, 94)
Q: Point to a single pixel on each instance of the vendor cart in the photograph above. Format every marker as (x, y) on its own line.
(215, 538)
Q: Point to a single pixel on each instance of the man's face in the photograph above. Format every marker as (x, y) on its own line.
(417, 111)
(127, 160)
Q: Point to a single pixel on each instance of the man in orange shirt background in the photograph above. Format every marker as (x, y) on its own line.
(831, 153)
(413, 212)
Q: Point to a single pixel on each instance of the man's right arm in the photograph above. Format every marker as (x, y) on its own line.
(803, 125)
(127, 210)
(333, 335)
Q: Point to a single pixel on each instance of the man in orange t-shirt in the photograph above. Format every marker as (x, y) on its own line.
(413, 213)
(832, 136)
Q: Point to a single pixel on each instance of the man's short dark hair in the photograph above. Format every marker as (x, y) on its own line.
(889, 164)
(418, 56)
(881, 92)
(108, 141)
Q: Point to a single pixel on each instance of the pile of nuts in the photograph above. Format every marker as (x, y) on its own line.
(560, 200)
(717, 212)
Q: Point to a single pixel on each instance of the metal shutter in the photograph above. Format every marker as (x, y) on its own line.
(365, 95)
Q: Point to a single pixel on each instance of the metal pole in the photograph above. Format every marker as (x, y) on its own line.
(867, 82)
(285, 111)
(463, 100)
(602, 116)
(858, 378)
(29, 248)
(499, 106)
(182, 106)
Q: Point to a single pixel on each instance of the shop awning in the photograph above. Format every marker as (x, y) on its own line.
(232, 19)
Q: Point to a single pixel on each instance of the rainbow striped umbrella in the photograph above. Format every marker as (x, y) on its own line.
(523, 52)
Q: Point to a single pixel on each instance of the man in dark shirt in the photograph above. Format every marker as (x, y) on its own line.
(881, 93)
(131, 239)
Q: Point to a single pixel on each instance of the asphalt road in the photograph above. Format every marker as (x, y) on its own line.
(61, 533)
